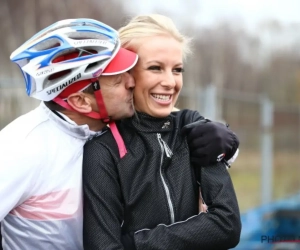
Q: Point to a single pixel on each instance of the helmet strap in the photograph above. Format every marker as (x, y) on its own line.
(101, 115)
(102, 109)
(118, 139)
(106, 118)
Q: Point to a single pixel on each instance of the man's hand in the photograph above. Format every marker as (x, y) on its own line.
(210, 142)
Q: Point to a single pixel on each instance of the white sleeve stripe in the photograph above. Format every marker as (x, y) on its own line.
(170, 224)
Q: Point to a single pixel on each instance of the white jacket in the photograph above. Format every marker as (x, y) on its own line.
(41, 182)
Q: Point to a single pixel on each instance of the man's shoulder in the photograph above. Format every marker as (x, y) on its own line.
(24, 128)
(25, 123)
(105, 138)
(22, 143)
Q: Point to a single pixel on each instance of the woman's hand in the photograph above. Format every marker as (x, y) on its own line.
(210, 142)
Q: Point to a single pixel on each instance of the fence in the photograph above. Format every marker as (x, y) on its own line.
(268, 164)
(267, 168)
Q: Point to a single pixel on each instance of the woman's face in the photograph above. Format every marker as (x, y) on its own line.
(158, 75)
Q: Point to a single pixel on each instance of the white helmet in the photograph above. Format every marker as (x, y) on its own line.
(49, 69)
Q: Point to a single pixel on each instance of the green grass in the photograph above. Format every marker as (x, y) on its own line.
(246, 177)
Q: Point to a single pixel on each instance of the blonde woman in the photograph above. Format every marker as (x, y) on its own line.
(148, 199)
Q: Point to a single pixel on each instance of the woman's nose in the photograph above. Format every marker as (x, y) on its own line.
(168, 80)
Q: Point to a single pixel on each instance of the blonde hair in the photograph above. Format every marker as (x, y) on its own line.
(150, 25)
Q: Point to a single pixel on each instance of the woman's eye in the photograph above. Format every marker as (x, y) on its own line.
(154, 68)
(179, 70)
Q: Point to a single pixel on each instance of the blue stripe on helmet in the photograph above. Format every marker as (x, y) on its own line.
(27, 83)
(39, 33)
(27, 79)
(30, 54)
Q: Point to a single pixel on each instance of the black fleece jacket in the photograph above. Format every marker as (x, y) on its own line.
(152, 192)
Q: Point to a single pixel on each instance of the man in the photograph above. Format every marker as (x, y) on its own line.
(41, 151)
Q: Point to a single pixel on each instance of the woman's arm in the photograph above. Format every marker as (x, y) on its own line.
(103, 210)
(219, 228)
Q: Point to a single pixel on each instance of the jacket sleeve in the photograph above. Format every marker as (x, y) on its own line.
(219, 228)
(0, 238)
(18, 172)
(103, 209)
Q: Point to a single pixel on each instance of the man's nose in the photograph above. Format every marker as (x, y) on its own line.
(130, 83)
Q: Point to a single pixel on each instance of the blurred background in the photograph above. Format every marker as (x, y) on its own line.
(245, 70)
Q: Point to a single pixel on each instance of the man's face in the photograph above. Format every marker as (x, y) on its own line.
(117, 92)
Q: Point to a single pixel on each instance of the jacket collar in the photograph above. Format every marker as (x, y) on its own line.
(146, 123)
(68, 126)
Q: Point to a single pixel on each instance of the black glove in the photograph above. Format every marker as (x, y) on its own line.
(210, 142)
(128, 241)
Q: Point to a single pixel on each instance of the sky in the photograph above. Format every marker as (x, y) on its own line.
(246, 14)
(207, 12)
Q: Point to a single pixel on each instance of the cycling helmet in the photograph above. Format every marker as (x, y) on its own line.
(69, 55)
(69, 51)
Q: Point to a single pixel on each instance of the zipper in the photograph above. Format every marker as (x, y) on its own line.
(165, 149)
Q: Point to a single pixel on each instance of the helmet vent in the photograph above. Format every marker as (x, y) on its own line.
(71, 54)
(87, 35)
(94, 66)
(89, 24)
(47, 44)
(60, 74)
(56, 77)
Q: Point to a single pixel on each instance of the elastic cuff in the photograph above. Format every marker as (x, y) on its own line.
(232, 159)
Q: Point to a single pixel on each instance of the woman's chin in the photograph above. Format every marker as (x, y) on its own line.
(161, 112)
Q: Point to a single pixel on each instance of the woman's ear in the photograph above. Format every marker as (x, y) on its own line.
(80, 102)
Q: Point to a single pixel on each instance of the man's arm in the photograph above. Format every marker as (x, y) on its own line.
(211, 142)
(219, 228)
(103, 210)
(18, 172)
(0, 238)
(207, 145)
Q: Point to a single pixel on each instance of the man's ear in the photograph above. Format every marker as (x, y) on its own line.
(80, 102)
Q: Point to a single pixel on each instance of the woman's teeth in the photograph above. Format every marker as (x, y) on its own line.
(162, 97)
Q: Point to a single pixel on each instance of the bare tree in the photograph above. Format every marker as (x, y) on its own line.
(22, 19)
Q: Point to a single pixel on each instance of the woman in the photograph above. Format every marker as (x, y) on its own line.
(149, 198)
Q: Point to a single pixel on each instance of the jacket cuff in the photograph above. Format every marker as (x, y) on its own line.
(232, 159)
